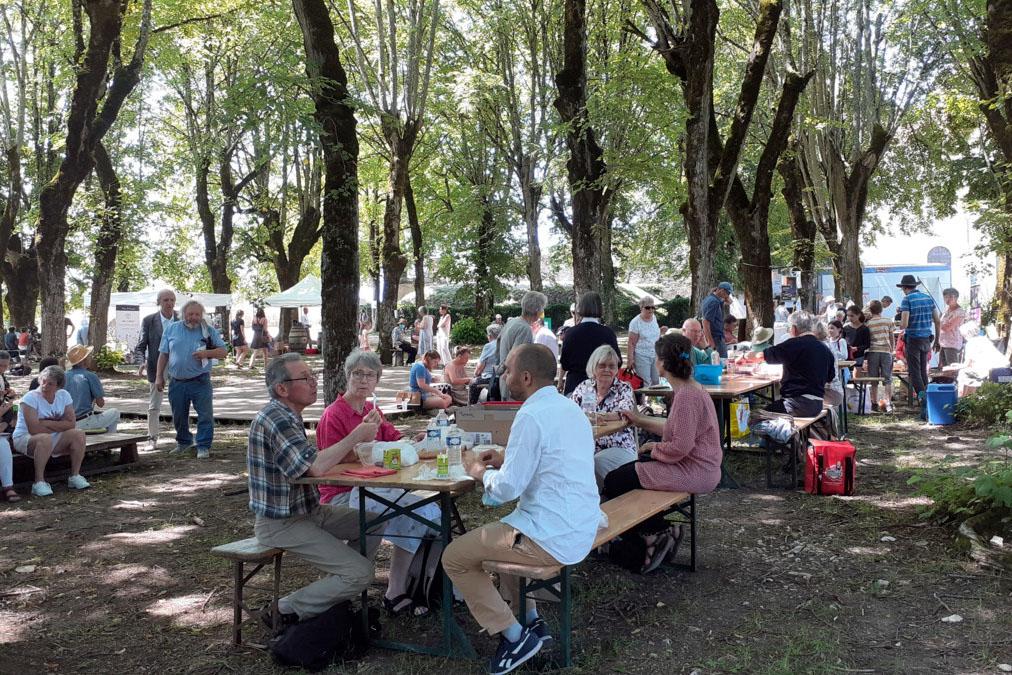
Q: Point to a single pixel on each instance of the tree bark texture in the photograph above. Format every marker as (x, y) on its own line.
(21, 274)
(585, 166)
(803, 228)
(401, 139)
(338, 137)
(417, 252)
(110, 233)
(86, 126)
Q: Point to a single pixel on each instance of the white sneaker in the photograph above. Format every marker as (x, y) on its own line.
(42, 489)
(77, 482)
(152, 444)
(203, 453)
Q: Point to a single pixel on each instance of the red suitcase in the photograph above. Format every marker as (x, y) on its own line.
(829, 468)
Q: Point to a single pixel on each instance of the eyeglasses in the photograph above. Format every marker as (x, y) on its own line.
(650, 307)
(310, 379)
(364, 375)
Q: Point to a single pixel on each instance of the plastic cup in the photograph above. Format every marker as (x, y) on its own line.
(364, 452)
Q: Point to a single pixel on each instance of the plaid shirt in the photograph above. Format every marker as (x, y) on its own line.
(279, 453)
(921, 308)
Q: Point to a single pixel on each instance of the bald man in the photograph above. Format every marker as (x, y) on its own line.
(701, 351)
(548, 466)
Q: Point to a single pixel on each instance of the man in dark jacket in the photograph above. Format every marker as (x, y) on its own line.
(152, 328)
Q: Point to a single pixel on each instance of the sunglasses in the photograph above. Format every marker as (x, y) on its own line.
(650, 307)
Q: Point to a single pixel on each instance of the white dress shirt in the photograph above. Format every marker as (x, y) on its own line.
(549, 466)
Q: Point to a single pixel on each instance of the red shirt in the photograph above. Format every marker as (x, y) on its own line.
(336, 422)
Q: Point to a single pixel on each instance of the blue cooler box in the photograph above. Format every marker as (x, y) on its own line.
(707, 374)
(941, 403)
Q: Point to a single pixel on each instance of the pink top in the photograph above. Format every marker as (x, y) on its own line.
(689, 454)
(948, 334)
(336, 422)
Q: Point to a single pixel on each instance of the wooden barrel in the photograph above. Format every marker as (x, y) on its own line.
(298, 338)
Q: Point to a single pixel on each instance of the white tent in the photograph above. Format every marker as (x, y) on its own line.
(147, 297)
(306, 293)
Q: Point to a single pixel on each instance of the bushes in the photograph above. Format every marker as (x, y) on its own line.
(987, 406)
(467, 332)
(106, 359)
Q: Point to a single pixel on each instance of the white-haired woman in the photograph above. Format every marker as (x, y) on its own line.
(363, 370)
(644, 332)
(612, 396)
(980, 357)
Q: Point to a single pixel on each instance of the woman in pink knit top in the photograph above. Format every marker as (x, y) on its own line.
(686, 459)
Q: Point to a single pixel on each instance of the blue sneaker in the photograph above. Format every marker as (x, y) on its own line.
(511, 655)
(540, 629)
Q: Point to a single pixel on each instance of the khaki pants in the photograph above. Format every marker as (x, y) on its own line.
(317, 538)
(101, 419)
(462, 561)
(154, 410)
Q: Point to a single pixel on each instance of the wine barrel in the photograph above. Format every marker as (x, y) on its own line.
(298, 338)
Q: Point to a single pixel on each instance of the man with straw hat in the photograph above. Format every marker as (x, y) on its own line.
(86, 390)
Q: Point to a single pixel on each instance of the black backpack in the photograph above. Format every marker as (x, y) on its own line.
(425, 574)
(334, 635)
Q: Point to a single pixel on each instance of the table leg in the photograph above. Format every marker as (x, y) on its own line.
(362, 530)
(726, 479)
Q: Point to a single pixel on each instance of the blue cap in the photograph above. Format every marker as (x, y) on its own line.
(725, 285)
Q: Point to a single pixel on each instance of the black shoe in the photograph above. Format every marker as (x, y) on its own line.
(285, 619)
(540, 629)
(511, 655)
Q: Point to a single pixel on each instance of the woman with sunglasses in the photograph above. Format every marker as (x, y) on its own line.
(363, 370)
(643, 335)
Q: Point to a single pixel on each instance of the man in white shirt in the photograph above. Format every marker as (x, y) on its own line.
(543, 335)
(548, 466)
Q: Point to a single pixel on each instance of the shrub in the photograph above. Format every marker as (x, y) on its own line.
(106, 359)
(467, 332)
(987, 406)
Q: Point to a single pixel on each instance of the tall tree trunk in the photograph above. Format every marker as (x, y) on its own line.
(401, 140)
(21, 274)
(11, 205)
(606, 264)
(585, 166)
(86, 126)
(483, 298)
(336, 119)
(417, 252)
(106, 248)
(530, 192)
(803, 228)
(376, 265)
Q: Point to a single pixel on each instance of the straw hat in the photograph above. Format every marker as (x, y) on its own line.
(761, 334)
(78, 353)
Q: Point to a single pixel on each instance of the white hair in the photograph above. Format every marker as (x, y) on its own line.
(600, 354)
(647, 300)
(803, 321)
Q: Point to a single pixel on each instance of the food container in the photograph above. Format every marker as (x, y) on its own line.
(707, 374)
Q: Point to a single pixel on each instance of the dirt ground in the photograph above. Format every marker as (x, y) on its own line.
(119, 578)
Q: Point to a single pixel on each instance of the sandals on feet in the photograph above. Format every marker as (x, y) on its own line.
(675, 532)
(11, 495)
(661, 546)
(397, 606)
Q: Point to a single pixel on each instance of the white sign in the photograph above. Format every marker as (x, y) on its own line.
(128, 325)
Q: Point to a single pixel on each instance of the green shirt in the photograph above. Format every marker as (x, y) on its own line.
(701, 355)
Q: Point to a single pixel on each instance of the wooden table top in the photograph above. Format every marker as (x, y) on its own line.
(730, 385)
(406, 479)
(845, 364)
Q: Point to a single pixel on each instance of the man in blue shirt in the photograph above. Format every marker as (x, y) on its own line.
(713, 317)
(917, 315)
(86, 390)
(185, 356)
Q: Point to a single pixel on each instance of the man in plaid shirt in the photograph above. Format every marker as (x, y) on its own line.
(289, 516)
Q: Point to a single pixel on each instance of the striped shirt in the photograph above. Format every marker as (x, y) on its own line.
(881, 330)
(279, 453)
(921, 307)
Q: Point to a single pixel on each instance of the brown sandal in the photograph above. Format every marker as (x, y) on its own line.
(11, 495)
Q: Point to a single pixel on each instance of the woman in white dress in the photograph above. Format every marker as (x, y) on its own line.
(443, 334)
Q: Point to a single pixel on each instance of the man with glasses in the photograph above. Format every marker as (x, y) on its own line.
(289, 516)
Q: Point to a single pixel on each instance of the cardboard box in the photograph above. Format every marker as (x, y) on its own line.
(496, 419)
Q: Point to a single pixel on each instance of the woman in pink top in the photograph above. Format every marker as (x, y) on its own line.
(363, 370)
(686, 459)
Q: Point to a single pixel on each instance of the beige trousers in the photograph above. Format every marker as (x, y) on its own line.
(154, 410)
(317, 538)
(462, 561)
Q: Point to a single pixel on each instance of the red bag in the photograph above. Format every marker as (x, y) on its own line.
(631, 378)
(829, 468)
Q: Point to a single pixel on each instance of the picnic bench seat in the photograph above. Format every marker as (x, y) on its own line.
(624, 513)
(250, 551)
(126, 443)
(799, 439)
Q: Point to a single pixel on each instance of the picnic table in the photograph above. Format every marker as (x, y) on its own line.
(608, 428)
(443, 491)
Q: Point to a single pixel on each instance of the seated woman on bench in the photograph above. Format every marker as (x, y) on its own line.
(363, 370)
(612, 396)
(687, 459)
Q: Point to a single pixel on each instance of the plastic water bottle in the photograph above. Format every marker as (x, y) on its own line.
(443, 422)
(715, 358)
(454, 446)
(433, 438)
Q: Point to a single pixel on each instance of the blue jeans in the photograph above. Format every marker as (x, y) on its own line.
(199, 393)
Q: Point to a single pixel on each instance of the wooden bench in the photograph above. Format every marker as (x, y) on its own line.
(24, 466)
(624, 513)
(250, 551)
(799, 439)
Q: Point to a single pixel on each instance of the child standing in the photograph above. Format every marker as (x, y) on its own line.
(880, 356)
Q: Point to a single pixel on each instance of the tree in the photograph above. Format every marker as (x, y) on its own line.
(339, 141)
(396, 85)
(86, 125)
